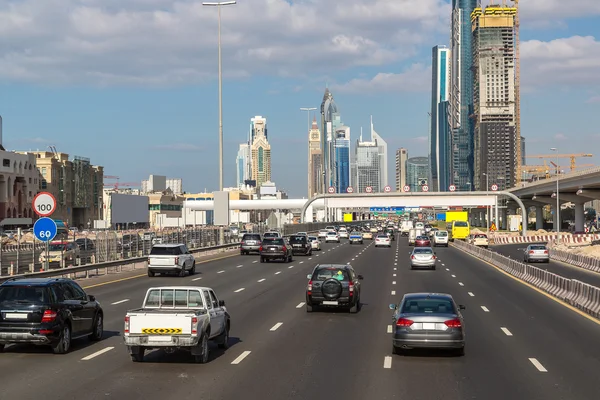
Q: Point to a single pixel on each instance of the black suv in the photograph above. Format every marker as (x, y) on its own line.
(301, 245)
(48, 311)
(333, 285)
(275, 248)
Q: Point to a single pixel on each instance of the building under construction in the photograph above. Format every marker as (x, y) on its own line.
(496, 144)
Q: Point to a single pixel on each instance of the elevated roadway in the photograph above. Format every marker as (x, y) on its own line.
(521, 344)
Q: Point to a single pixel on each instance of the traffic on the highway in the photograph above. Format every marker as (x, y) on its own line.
(368, 320)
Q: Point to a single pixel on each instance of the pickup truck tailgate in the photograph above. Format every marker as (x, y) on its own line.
(162, 260)
(158, 323)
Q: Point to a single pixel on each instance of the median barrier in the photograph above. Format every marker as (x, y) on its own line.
(581, 295)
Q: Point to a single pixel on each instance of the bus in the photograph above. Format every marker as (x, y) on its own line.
(460, 230)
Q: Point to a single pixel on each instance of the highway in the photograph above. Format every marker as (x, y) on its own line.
(520, 344)
(556, 267)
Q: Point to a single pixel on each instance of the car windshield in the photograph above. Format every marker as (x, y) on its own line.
(461, 224)
(57, 247)
(29, 294)
(480, 236)
(331, 233)
(274, 241)
(322, 274)
(428, 306)
(538, 247)
(422, 251)
(297, 239)
(251, 237)
(382, 237)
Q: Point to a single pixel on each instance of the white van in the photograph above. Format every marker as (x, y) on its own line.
(413, 234)
(440, 238)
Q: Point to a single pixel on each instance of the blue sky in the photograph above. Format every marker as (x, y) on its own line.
(132, 84)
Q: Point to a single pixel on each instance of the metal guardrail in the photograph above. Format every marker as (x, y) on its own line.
(576, 293)
(74, 272)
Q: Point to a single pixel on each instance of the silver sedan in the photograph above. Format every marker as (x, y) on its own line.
(536, 252)
(422, 257)
(428, 320)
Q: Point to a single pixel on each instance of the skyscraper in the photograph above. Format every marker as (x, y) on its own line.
(242, 162)
(461, 98)
(401, 157)
(315, 161)
(417, 173)
(333, 143)
(261, 151)
(439, 135)
(341, 165)
(495, 133)
(383, 157)
(367, 166)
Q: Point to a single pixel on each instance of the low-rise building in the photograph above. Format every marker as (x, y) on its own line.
(19, 183)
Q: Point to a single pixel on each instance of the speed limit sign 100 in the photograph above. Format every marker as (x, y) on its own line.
(44, 204)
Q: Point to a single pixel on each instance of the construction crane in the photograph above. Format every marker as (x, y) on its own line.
(118, 184)
(570, 156)
(518, 89)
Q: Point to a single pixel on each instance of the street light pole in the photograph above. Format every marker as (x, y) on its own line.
(557, 199)
(218, 5)
(487, 193)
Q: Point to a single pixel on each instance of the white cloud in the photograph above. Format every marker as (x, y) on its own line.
(567, 61)
(170, 42)
(178, 147)
(557, 9)
(415, 79)
(560, 136)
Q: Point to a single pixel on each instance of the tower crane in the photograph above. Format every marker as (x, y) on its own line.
(572, 157)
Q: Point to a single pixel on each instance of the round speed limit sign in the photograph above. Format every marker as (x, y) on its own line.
(44, 204)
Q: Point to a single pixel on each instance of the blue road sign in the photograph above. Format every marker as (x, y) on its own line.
(45, 229)
(386, 209)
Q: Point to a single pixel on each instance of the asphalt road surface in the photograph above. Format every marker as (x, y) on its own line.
(556, 267)
(520, 343)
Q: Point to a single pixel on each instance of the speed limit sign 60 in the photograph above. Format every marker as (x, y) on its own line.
(44, 204)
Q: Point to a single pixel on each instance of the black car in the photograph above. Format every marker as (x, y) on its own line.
(48, 311)
(333, 285)
(301, 245)
(275, 248)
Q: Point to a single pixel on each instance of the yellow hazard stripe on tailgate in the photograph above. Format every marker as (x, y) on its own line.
(162, 331)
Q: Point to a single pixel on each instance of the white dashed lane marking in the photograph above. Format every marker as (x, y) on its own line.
(389, 329)
(393, 292)
(461, 284)
(261, 280)
(484, 308)
(277, 273)
(387, 362)
(276, 326)
(220, 272)
(119, 302)
(471, 294)
(241, 357)
(196, 279)
(454, 276)
(506, 332)
(538, 365)
(239, 266)
(254, 262)
(96, 354)
(239, 290)
(300, 305)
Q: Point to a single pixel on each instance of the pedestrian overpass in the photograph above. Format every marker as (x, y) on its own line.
(366, 200)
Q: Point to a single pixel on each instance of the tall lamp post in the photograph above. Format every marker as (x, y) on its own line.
(218, 5)
(557, 199)
(487, 193)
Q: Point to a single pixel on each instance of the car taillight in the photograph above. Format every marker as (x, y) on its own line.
(351, 288)
(194, 325)
(148, 260)
(434, 257)
(284, 249)
(309, 288)
(545, 251)
(49, 316)
(412, 257)
(453, 323)
(176, 260)
(126, 328)
(260, 248)
(404, 322)
(531, 252)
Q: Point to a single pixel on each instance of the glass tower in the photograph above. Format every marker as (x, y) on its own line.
(438, 141)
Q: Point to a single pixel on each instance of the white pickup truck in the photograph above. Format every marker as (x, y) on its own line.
(171, 259)
(177, 317)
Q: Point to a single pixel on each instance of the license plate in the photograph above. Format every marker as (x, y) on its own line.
(297, 245)
(429, 326)
(330, 303)
(15, 316)
(159, 338)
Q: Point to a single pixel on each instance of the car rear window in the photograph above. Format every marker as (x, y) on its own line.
(297, 239)
(165, 251)
(312, 238)
(322, 274)
(538, 247)
(441, 233)
(422, 251)
(461, 224)
(271, 235)
(275, 241)
(24, 294)
(331, 233)
(481, 236)
(251, 236)
(382, 236)
(428, 306)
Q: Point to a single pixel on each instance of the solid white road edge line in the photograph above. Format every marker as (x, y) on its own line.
(484, 308)
(506, 332)
(96, 354)
(276, 326)
(119, 302)
(241, 357)
(300, 305)
(538, 365)
(387, 362)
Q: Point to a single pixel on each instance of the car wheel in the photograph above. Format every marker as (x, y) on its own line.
(193, 270)
(64, 343)
(138, 354)
(151, 273)
(397, 350)
(291, 258)
(202, 358)
(224, 339)
(433, 268)
(182, 272)
(355, 307)
(1, 348)
(262, 259)
(460, 352)
(98, 329)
